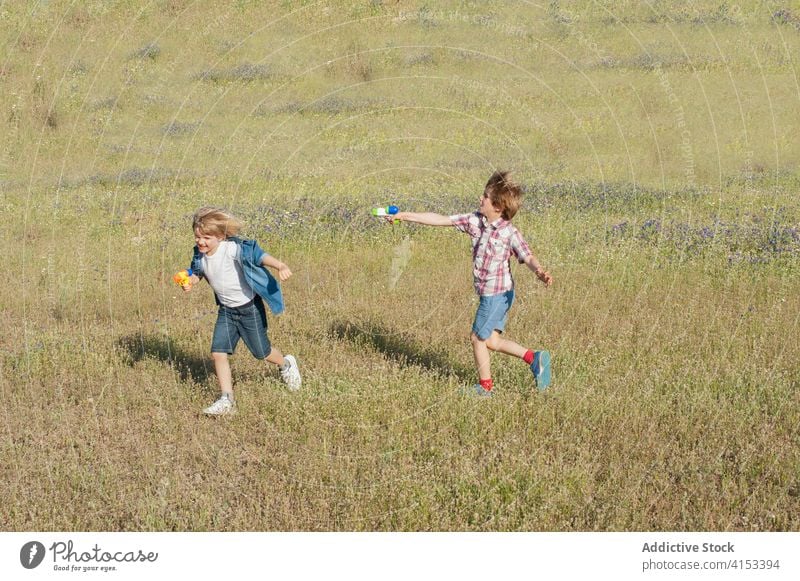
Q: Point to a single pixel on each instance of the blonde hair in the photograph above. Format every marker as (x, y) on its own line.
(215, 222)
(504, 194)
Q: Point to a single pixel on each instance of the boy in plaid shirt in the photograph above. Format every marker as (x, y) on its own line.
(494, 241)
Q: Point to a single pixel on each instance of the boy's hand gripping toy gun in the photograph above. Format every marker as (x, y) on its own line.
(390, 211)
(182, 279)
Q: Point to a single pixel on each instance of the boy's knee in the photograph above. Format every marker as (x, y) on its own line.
(219, 356)
(477, 340)
(493, 342)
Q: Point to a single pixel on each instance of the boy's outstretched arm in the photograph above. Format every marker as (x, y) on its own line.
(272, 262)
(426, 218)
(544, 276)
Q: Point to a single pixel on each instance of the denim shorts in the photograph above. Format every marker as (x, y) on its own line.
(248, 322)
(492, 314)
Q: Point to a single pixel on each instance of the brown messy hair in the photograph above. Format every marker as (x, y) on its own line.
(215, 222)
(504, 194)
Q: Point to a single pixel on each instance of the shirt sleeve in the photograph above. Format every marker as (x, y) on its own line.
(258, 253)
(519, 247)
(197, 263)
(460, 221)
(466, 223)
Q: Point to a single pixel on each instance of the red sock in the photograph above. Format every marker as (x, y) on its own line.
(487, 384)
(528, 357)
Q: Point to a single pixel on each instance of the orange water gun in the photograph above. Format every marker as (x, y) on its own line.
(183, 279)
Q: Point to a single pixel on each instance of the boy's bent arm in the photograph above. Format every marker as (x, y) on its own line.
(426, 218)
(272, 262)
(544, 276)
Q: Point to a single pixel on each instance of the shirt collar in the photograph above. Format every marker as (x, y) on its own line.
(496, 225)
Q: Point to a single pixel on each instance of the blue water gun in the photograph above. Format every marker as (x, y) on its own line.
(389, 211)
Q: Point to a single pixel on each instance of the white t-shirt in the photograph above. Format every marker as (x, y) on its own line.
(224, 274)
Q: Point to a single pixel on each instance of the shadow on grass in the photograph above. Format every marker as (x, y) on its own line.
(401, 348)
(138, 347)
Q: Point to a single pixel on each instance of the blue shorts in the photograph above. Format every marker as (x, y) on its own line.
(248, 322)
(492, 314)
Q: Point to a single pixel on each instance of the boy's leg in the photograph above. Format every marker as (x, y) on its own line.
(225, 404)
(226, 336)
(539, 361)
(276, 357)
(496, 343)
(491, 314)
(222, 367)
(482, 358)
(253, 329)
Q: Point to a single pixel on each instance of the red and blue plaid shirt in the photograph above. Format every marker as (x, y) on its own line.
(492, 247)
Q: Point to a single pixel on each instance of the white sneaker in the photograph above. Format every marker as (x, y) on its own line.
(221, 407)
(291, 375)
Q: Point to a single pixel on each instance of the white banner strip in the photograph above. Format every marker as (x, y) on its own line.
(379, 556)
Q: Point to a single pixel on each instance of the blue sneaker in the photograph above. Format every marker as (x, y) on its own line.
(541, 369)
(477, 390)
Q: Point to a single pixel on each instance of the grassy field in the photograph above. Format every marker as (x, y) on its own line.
(657, 144)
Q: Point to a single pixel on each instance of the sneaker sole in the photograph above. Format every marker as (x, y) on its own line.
(230, 412)
(541, 361)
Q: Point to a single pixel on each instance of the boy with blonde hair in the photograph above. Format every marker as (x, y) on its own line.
(237, 271)
(494, 241)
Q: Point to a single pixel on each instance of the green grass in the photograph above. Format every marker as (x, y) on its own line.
(656, 145)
